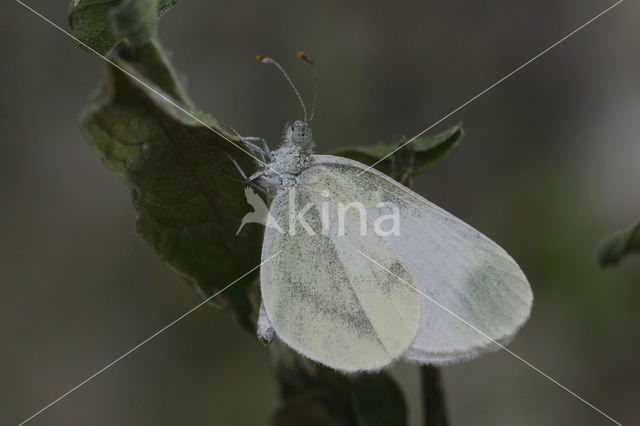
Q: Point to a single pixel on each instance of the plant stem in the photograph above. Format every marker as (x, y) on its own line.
(435, 410)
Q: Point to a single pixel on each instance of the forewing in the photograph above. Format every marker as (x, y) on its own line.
(474, 294)
(323, 298)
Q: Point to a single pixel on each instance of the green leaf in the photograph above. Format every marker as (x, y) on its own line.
(135, 20)
(93, 24)
(188, 206)
(165, 5)
(615, 247)
(378, 401)
(427, 151)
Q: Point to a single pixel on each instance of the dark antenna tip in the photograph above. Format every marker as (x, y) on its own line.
(303, 55)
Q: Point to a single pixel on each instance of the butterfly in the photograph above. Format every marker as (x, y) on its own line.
(360, 271)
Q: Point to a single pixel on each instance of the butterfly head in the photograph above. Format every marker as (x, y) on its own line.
(299, 133)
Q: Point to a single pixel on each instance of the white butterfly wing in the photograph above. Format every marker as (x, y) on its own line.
(484, 296)
(324, 299)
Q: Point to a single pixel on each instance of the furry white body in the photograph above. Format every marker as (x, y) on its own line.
(290, 159)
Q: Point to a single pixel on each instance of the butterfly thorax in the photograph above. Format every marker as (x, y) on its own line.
(288, 161)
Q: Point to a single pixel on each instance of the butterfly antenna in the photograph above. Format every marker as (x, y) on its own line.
(302, 55)
(266, 60)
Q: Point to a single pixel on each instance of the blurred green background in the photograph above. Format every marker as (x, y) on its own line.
(548, 167)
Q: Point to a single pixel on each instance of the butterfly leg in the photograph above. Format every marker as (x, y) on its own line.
(257, 150)
(265, 148)
(254, 185)
(244, 179)
(266, 332)
(264, 152)
(237, 166)
(256, 175)
(242, 173)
